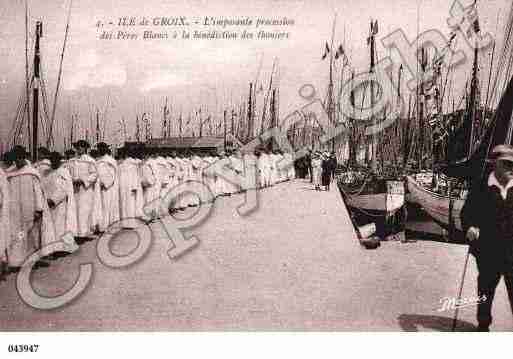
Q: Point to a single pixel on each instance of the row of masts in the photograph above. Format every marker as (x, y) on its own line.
(241, 122)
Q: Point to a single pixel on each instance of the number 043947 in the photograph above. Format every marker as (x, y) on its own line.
(23, 348)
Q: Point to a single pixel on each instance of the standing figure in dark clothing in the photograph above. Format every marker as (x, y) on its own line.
(326, 171)
(487, 219)
(333, 164)
(308, 164)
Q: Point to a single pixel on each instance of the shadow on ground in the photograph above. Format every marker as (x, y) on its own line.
(417, 322)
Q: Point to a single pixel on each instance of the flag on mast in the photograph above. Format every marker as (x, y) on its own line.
(326, 51)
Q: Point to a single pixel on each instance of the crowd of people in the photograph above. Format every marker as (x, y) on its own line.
(319, 166)
(74, 197)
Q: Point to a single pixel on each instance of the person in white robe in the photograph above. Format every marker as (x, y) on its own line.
(43, 164)
(197, 176)
(58, 189)
(222, 183)
(32, 228)
(151, 185)
(85, 175)
(137, 155)
(175, 176)
(283, 172)
(97, 203)
(238, 167)
(288, 166)
(251, 171)
(264, 170)
(129, 188)
(232, 188)
(185, 199)
(175, 169)
(188, 199)
(5, 238)
(109, 186)
(210, 177)
(165, 180)
(274, 177)
(317, 170)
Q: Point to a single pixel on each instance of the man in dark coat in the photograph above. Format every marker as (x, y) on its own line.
(326, 171)
(333, 164)
(487, 219)
(308, 164)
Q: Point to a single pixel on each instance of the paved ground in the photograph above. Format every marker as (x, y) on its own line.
(294, 264)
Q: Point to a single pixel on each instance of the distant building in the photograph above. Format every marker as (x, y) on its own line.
(205, 144)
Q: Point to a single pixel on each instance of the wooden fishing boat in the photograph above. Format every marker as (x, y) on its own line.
(378, 195)
(372, 199)
(437, 206)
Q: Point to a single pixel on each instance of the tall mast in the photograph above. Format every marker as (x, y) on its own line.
(250, 112)
(330, 86)
(472, 104)
(372, 65)
(180, 120)
(420, 105)
(35, 94)
(224, 119)
(50, 138)
(27, 81)
(232, 126)
(165, 132)
(97, 125)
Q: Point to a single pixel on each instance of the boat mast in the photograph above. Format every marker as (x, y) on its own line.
(472, 104)
(35, 93)
(250, 112)
(330, 86)
(27, 81)
(372, 65)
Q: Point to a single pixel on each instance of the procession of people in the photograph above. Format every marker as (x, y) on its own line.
(75, 197)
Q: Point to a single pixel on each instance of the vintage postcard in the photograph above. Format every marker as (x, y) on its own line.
(268, 165)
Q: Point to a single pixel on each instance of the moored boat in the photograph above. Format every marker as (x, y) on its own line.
(443, 209)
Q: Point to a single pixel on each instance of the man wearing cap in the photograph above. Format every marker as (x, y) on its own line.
(31, 224)
(487, 220)
(84, 174)
(109, 186)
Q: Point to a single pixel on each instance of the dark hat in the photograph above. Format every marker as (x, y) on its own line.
(55, 156)
(102, 146)
(94, 153)
(19, 152)
(82, 144)
(503, 153)
(70, 152)
(43, 150)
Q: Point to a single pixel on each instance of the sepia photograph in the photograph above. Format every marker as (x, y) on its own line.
(261, 166)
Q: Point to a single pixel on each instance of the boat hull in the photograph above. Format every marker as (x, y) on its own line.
(384, 209)
(436, 205)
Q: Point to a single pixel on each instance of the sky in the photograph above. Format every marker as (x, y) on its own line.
(128, 77)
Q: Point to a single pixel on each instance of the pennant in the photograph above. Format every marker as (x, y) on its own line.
(452, 36)
(340, 52)
(375, 29)
(326, 51)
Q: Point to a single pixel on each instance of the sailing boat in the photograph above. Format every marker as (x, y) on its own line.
(369, 196)
(446, 209)
(30, 129)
